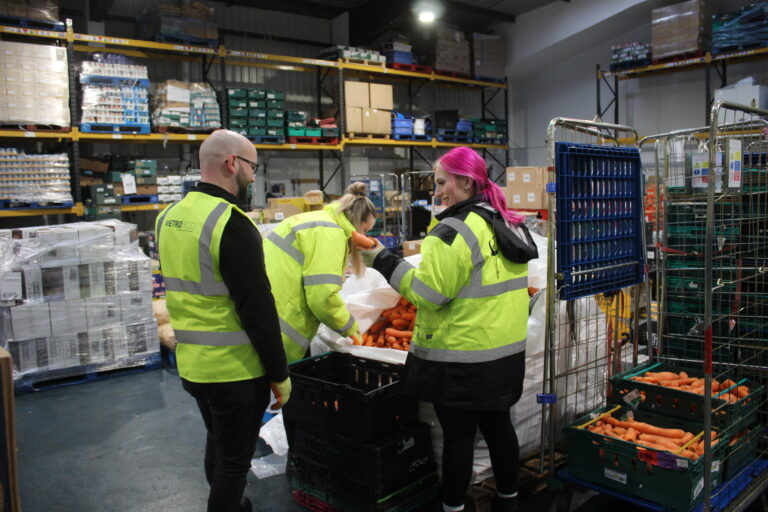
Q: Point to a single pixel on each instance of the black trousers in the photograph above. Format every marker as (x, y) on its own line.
(232, 412)
(459, 427)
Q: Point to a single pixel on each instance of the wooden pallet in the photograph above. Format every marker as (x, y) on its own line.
(451, 74)
(301, 139)
(384, 136)
(180, 129)
(679, 58)
(365, 62)
(28, 127)
(416, 68)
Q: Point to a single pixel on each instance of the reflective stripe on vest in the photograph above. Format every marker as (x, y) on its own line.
(208, 286)
(475, 289)
(322, 279)
(443, 355)
(347, 326)
(295, 335)
(216, 339)
(286, 244)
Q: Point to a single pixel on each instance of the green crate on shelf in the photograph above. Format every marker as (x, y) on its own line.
(258, 104)
(330, 132)
(314, 132)
(275, 104)
(238, 123)
(295, 124)
(296, 132)
(238, 103)
(235, 94)
(258, 121)
(257, 132)
(276, 132)
(275, 95)
(257, 114)
(276, 123)
(257, 94)
(673, 482)
(276, 114)
(238, 113)
(294, 115)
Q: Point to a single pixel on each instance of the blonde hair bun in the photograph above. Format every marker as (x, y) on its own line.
(357, 189)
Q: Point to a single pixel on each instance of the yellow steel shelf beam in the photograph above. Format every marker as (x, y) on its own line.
(77, 209)
(144, 207)
(51, 34)
(25, 134)
(149, 45)
(434, 143)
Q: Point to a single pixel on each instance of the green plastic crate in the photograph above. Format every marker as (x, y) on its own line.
(238, 113)
(257, 94)
(687, 406)
(237, 93)
(257, 114)
(296, 132)
(295, 115)
(276, 132)
(275, 95)
(673, 482)
(276, 114)
(258, 104)
(275, 123)
(742, 453)
(275, 104)
(238, 103)
(314, 132)
(252, 130)
(330, 132)
(260, 122)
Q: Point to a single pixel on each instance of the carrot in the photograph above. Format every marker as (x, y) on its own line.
(728, 383)
(686, 381)
(362, 241)
(616, 423)
(412, 324)
(661, 441)
(400, 323)
(683, 375)
(391, 339)
(398, 333)
(687, 437)
(742, 391)
(631, 435)
(403, 302)
(377, 326)
(670, 383)
(620, 431)
(397, 346)
(368, 343)
(408, 315)
(645, 428)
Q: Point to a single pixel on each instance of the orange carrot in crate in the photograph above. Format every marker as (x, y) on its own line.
(377, 326)
(398, 333)
(631, 435)
(400, 323)
(362, 241)
(645, 428)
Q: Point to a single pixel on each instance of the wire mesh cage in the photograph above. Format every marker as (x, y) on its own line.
(711, 225)
(594, 292)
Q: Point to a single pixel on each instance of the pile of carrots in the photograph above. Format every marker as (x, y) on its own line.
(394, 328)
(683, 382)
(674, 440)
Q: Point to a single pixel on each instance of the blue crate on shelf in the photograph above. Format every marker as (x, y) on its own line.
(402, 123)
(390, 242)
(599, 223)
(464, 125)
(140, 199)
(116, 81)
(17, 21)
(395, 57)
(127, 128)
(402, 131)
(411, 136)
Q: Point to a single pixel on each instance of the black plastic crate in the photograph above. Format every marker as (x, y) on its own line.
(351, 396)
(349, 496)
(385, 465)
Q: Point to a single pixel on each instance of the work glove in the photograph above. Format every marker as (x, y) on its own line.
(369, 255)
(282, 392)
(354, 333)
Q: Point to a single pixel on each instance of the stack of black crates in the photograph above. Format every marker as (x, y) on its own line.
(355, 444)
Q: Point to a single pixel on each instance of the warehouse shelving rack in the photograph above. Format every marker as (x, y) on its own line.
(719, 62)
(207, 56)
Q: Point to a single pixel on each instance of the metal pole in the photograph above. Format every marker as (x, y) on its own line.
(597, 88)
(506, 118)
(616, 99)
(552, 303)
(73, 113)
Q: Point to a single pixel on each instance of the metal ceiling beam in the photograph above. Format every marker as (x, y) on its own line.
(455, 5)
(302, 7)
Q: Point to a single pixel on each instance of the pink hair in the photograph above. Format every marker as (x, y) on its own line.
(464, 161)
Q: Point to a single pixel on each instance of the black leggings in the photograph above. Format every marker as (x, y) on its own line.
(459, 427)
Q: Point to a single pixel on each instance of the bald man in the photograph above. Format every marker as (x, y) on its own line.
(230, 353)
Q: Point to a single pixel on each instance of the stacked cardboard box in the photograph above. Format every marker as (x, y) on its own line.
(169, 188)
(34, 178)
(680, 29)
(444, 49)
(28, 95)
(256, 112)
(353, 53)
(190, 23)
(489, 56)
(368, 107)
(47, 10)
(525, 188)
(76, 298)
(186, 105)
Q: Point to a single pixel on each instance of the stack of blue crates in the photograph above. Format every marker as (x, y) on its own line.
(395, 57)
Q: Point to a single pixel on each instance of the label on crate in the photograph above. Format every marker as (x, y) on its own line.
(129, 183)
(615, 475)
(633, 398)
(715, 466)
(699, 487)
(734, 163)
(682, 463)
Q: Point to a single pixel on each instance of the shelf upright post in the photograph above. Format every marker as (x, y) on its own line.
(319, 91)
(223, 79)
(73, 117)
(506, 119)
(342, 127)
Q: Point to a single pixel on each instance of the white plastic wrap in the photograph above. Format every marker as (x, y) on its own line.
(76, 298)
(34, 178)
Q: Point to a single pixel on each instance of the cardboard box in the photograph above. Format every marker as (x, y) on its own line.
(525, 188)
(313, 197)
(377, 121)
(61, 283)
(356, 94)
(489, 56)
(92, 279)
(31, 321)
(680, 29)
(354, 119)
(412, 247)
(381, 96)
(8, 476)
(11, 288)
(68, 317)
(280, 213)
(136, 307)
(94, 165)
(101, 312)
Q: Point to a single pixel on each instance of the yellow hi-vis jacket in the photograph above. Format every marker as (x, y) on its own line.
(305, 258)
(212, 345)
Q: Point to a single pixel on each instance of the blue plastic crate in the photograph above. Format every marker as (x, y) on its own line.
(115, 81)
(399, 57)
(402, 131)
(599, 221)
(390, 242)
(402, 123)
(126, 128)
(464, 126)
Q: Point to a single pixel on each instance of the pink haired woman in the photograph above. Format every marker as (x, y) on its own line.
(467, 354)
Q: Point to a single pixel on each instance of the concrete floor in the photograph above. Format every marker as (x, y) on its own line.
(135, 444)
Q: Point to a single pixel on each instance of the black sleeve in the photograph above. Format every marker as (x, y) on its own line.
(241, 261)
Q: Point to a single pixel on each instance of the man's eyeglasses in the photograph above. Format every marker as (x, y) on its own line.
(254, 165)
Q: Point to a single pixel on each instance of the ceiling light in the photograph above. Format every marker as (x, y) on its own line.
(427, 11)
(426, 16)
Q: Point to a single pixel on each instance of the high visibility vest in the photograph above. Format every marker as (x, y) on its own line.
(472, 302)
(305, 258)
(212, 345)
